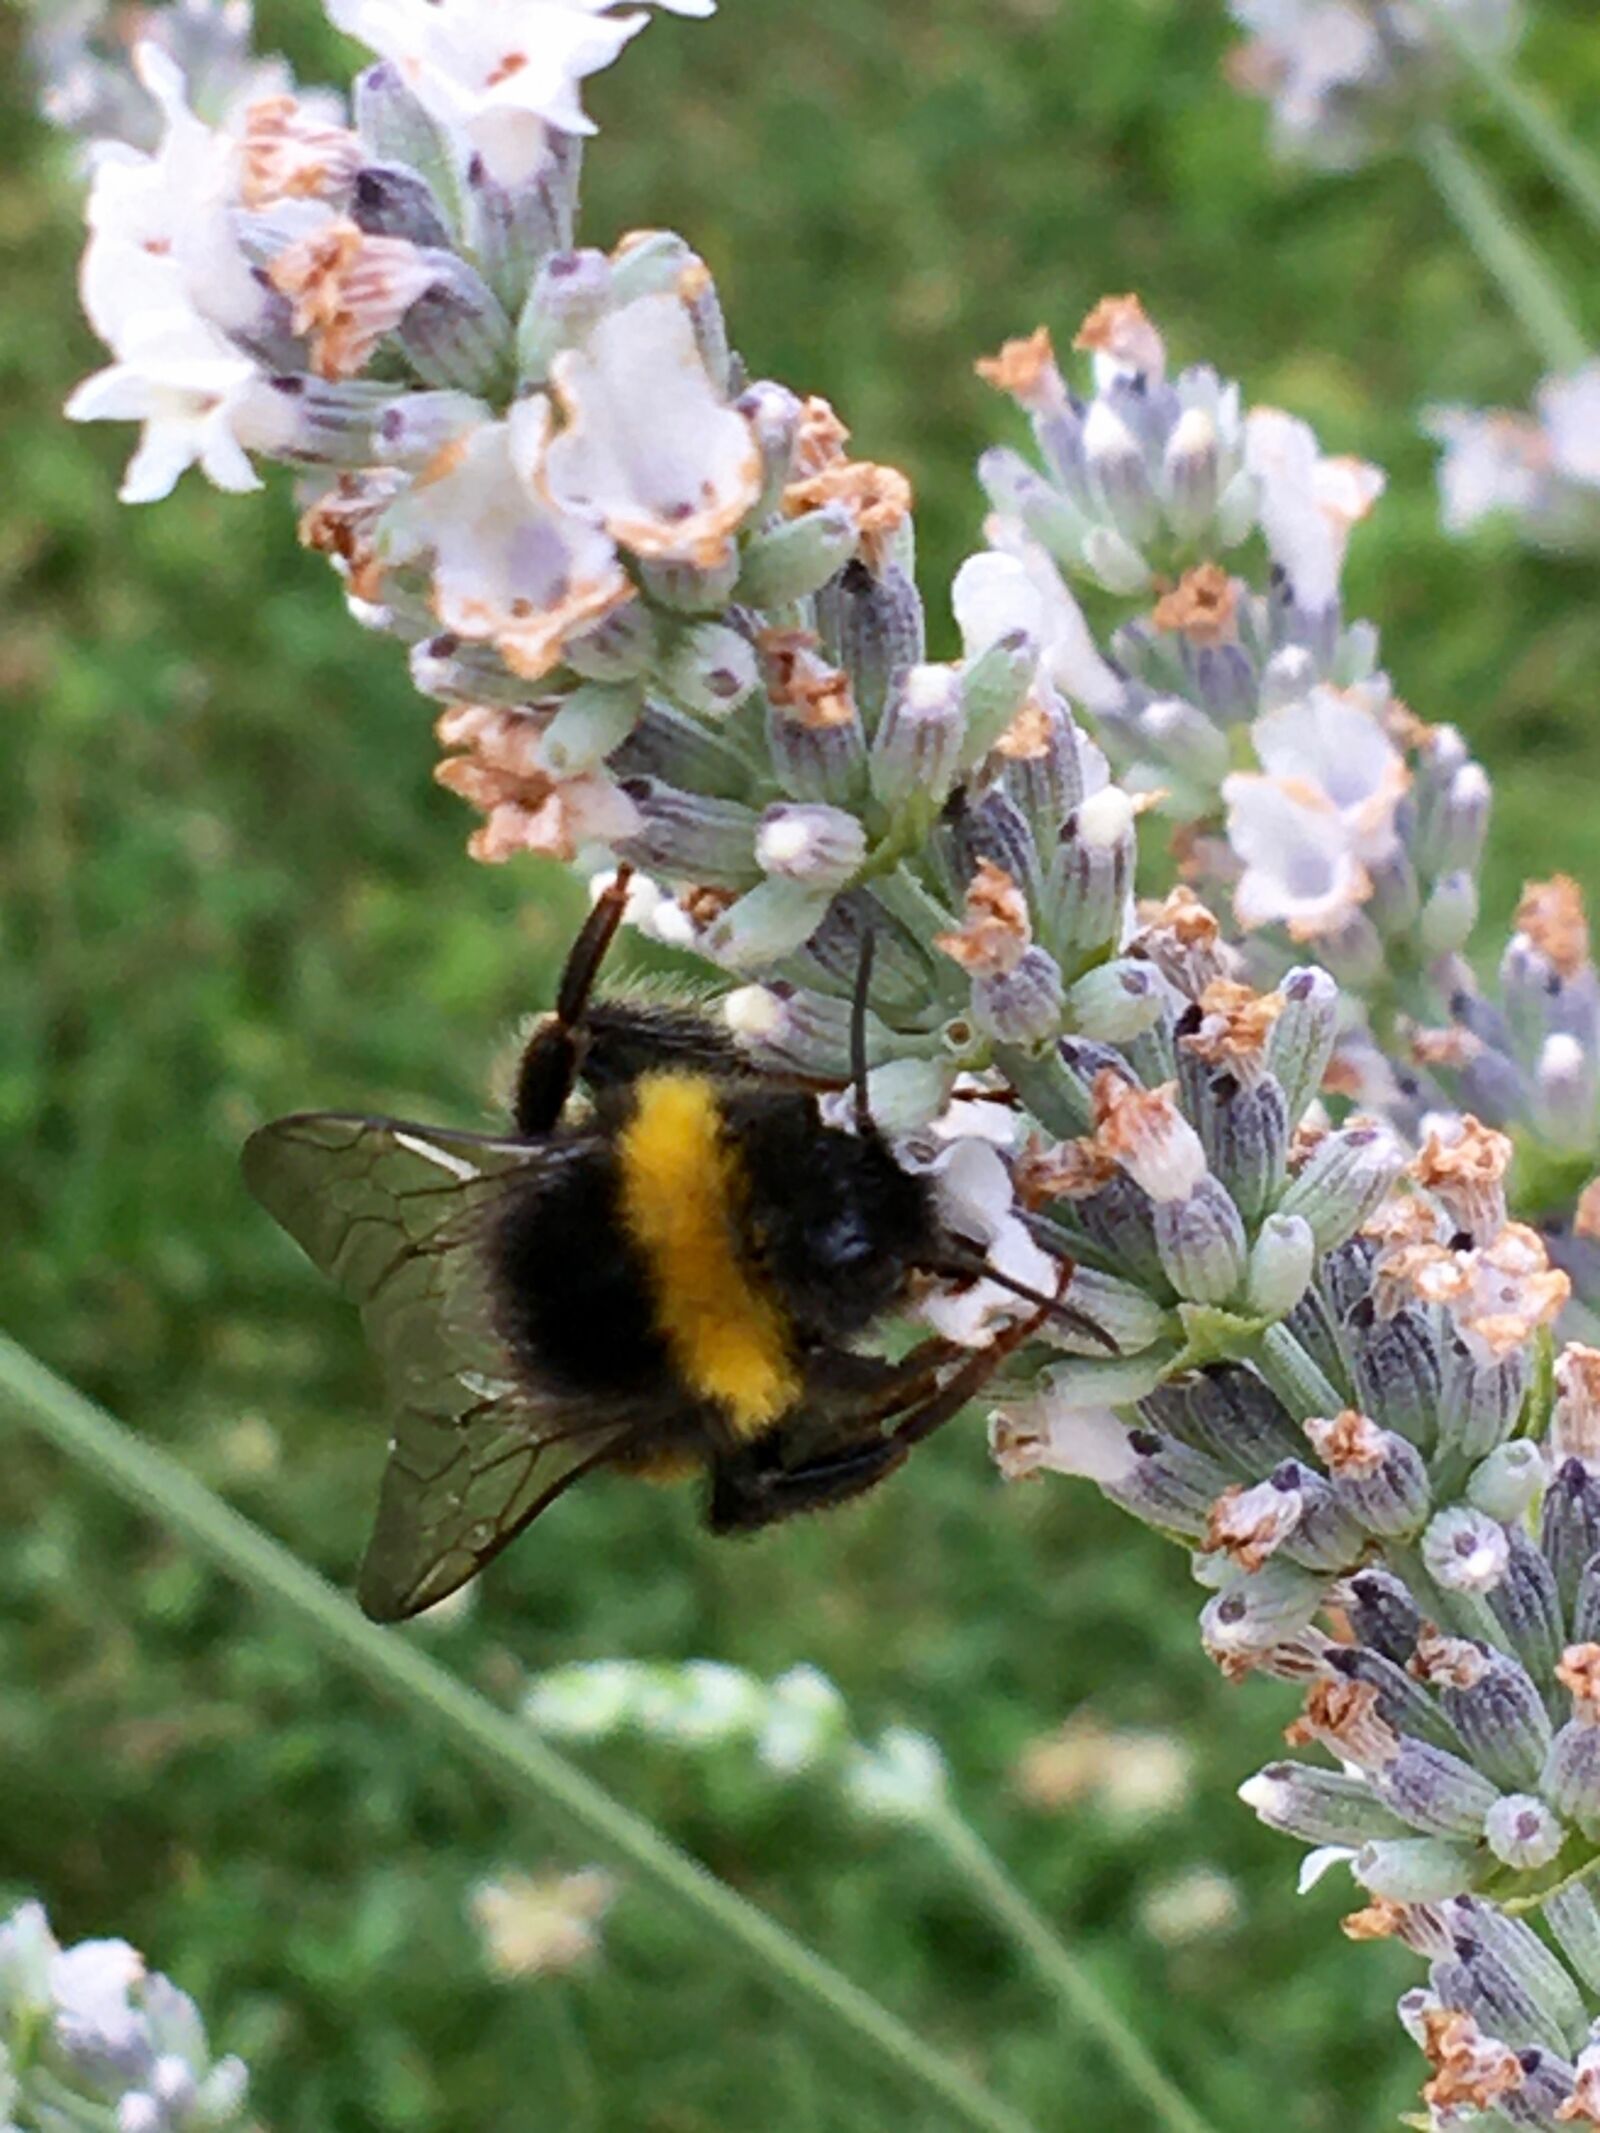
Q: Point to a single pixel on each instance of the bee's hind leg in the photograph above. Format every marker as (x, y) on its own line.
(746, 1495)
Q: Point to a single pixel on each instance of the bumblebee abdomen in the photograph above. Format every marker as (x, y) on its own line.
(573, 1293)
(681, 1194)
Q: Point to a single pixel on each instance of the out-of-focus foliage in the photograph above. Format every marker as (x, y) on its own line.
(227, 888)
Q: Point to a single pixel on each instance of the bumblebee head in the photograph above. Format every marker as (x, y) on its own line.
(838, 1224)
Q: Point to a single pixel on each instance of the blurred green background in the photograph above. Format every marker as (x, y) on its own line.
(228, 888)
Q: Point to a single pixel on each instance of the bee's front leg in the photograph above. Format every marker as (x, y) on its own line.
(555, 1052)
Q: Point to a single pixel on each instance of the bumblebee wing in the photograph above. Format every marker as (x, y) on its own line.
(396, 1214)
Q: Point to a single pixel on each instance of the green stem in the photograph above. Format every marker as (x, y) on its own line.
(1567, 165)
(1079, 1994)
(505, 1749)
(1504, 251)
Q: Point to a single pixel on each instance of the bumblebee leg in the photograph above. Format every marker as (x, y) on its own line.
(555, 1052)
(947, 1402)
(883, 1386)
(745, 1496)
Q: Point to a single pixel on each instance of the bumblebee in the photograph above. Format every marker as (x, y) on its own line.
(672, 1282)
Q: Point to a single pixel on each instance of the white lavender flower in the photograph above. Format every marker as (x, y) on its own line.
(1343, 76)
(89, 2036)
(1539, 469)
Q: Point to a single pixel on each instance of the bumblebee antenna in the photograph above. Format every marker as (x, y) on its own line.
(858, 1035)
(589, 950)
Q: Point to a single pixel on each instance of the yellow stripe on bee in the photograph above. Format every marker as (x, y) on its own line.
(680, 1190)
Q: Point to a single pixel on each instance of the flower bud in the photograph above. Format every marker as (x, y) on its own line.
(1230, 1415)
(397, 129)
(1378, 1475)
(1255, 1613)
(1326, 1536)
(621, 646)
(511, 228)
(1202, 1243)
(1344, 1180)
(1570, 1780)
(1023, 1005)
(1124, 1312)
(1436, 1792)
(1522, 1832)
(392, 200)
(1280, 1265)
(1465, 1552)
(1091, 874)
(1117, 1000)
(820, 846)
(1448, 917)
(1414, 1869)
(1114, 563)
(687, 836)
(796, 559)
(1479, 1405)
(1527, 1607)
(1114, 459)
(824, 763)
(324, 422)
(1184, 742)
(592, 722)
(1574, 1918)
(994, 688)
(456, 334)
(710, 669)
(873, 624)
(769, 922)
(1300, 1042)
(1504, 1485)
(1523, 1956)
(1016, 491)
(907, 1094)
(570, 293)
(1567, 1092)
(693, 588)
(1166, 1485)
(416, 427)
(1394, 1367)
(1319, 1806)
(1191, 468)
(1245, 1128)
(1499, 1715)
(1570, 1529)
(678, 750)
(1454, 828)
(1383, 1614)
(1355, 953)
(917, 749)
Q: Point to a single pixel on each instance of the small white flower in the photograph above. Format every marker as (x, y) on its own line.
(509, 568)
(584, 1701)
(161, 236)
(94, 2016)
(1464, 1551)
(1493, 461)
(1017, 586)
(1331, 740)
(902, 1779)
(1308, 504)
(499, 73)
(650, 450)
(1052, 1433)
(1570, 411)
(1299, 868)
(199, 399)
(972, 1189)
(805, 1722)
